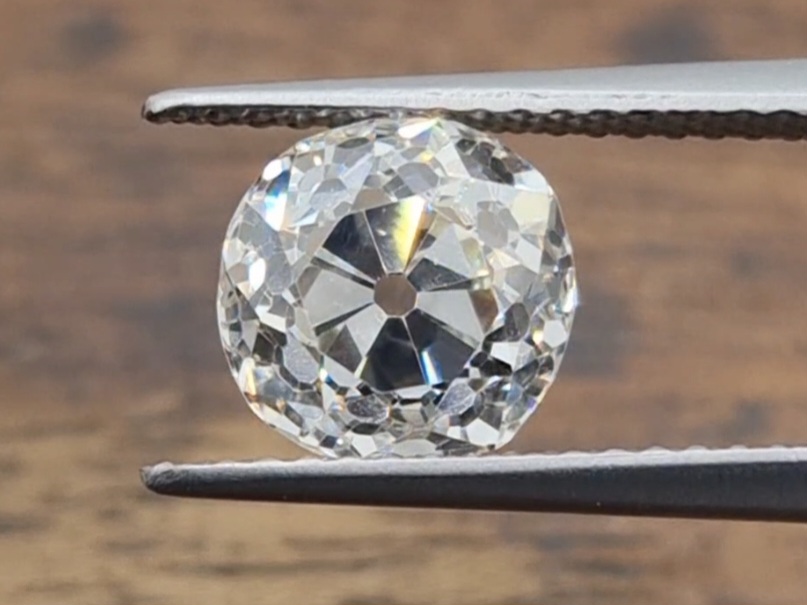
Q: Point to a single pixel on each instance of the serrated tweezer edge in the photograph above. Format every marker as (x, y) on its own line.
(750, 100)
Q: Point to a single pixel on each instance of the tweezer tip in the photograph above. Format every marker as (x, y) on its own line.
(160, 477)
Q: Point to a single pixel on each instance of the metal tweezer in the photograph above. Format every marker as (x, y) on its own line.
(749, 100)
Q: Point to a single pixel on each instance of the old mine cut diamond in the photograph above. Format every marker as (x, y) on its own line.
(396, 288)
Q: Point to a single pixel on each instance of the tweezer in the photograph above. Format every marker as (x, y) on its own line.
(748, 100)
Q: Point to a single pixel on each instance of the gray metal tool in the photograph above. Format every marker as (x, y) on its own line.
(751, 100)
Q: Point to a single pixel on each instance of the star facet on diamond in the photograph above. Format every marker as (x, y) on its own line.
(396, 288)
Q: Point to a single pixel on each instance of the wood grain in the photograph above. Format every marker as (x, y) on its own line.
(693, 265)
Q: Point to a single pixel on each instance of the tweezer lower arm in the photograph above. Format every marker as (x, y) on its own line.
(752, 100)
(752, 484)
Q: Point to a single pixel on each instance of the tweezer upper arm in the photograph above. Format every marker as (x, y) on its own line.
(752, 100)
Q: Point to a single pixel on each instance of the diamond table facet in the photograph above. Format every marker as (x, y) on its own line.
(396, 288)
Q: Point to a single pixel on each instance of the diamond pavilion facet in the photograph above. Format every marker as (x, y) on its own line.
(396, 288)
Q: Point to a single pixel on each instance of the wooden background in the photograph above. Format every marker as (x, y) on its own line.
(693, 329)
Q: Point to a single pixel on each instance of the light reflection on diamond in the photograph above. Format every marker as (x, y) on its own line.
(396, 288)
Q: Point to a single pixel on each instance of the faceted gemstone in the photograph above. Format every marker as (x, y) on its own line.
(396, 288)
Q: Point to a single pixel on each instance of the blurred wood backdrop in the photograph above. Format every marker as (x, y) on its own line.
(693, 326)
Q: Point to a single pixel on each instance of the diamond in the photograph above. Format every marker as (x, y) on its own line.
(396, 288)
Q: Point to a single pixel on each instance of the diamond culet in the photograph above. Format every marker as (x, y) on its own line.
(396, 288)
(395, 295)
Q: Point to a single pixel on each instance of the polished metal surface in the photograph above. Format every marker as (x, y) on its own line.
(753, 100)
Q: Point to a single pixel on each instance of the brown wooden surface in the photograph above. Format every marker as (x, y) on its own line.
(693, 265)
